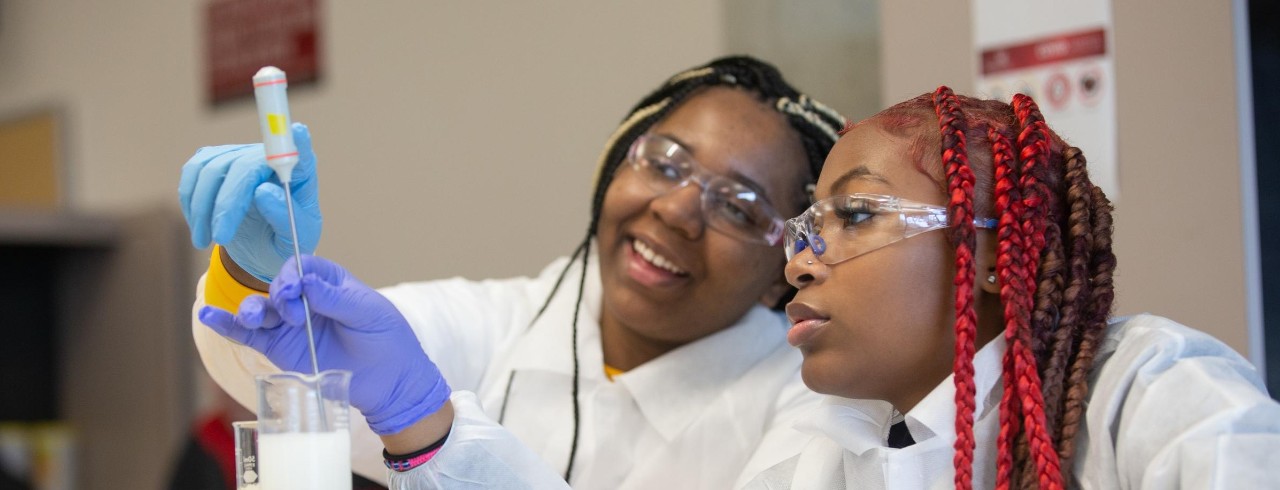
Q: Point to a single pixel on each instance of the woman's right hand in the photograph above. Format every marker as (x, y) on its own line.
(231, 197)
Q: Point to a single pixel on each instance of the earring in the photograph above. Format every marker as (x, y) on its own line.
(991, 279)
(810, 262)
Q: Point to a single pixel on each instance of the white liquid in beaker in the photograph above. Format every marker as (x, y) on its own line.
(306, 460)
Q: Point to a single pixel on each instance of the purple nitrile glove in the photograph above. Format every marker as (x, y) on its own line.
(394, 384)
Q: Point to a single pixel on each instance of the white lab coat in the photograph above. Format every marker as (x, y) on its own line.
(710, 414)
(1169, 407)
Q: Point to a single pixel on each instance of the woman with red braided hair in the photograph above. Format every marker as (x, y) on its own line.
(984, 356)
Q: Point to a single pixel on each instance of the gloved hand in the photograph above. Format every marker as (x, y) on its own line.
(230, 196)
(393, 382)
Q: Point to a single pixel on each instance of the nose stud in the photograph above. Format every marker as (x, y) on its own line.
(810, 262)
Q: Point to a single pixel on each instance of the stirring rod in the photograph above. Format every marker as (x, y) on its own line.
(306, 307)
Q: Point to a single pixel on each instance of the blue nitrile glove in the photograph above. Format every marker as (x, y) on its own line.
(230, 196)
(393, 383)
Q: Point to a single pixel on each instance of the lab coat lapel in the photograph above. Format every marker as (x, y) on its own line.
(532, 390)
(855, 425)
(935, 415)
(545, 346)
(859, 427)
(678, 387)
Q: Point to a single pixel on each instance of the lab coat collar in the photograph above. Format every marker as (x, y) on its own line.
(935, 415)
(545, 345)
(676, 388)
(861, 425)
(856, 425)
(673, 389)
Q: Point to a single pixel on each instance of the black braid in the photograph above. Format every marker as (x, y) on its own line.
(573, 338)
(815, 124)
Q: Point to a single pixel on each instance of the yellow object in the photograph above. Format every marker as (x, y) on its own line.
(220, 289)
(276, 123)
(610, 371)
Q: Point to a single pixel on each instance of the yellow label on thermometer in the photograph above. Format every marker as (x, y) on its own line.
(276, 124)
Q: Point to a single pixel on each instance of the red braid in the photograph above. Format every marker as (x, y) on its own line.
(1008, 253)
(960, 218)
(1034, 154)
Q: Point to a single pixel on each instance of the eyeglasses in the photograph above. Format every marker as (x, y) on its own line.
(729, 206)
(840, 228)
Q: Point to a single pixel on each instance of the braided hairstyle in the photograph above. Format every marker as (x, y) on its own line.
(816, 124)
(1054, 265)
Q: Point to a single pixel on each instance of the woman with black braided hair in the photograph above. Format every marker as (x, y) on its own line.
(652, 357)
(983, 355)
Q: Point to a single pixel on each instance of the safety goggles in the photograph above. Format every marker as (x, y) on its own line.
(730, 207)
(840, 228)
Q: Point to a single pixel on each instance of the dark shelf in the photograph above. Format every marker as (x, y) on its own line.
(43, 253)
(59, 229)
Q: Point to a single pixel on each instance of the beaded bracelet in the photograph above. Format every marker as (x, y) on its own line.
(415, 459)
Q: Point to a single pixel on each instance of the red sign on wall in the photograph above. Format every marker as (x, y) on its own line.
(1039, 52)
(242, 36)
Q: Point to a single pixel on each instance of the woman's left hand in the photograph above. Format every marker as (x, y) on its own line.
(394, 384)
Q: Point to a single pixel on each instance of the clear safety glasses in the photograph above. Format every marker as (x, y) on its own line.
(729, 206)
(840, 228)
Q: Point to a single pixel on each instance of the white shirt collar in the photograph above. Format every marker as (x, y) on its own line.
(544, 346)
(856, 425)
(675, 388)
(935, 415)
(672, 390)
(860, 425)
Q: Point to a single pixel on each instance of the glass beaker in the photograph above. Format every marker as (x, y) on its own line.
(303, 441)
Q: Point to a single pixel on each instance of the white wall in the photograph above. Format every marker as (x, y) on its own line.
(828, 48)
(453, 137)
(1178, 237)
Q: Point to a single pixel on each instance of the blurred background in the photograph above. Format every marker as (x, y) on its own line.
(461, 139)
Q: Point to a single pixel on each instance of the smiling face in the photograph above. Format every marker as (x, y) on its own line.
(668, 278)
(879, 325)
